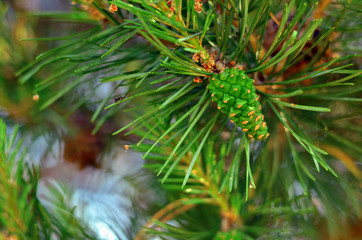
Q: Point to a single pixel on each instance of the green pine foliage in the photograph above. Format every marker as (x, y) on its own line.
(220, 182)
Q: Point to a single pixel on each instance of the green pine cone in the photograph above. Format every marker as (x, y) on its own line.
(231, 235)
(234, 93)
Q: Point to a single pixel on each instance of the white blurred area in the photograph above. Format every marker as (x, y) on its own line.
(105, 199)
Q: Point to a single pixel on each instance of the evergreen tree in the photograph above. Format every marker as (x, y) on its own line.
(248, 112)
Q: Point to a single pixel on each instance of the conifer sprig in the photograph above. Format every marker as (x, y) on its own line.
(161, 21)
(195, 150)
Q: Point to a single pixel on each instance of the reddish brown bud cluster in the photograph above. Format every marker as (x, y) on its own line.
(171, 8)
(196, 57)
(208, 63)
(198, 6)
(211, 62)
(197, 80)
(113, 8)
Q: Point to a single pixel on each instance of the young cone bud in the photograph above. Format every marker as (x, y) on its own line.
(234, 93)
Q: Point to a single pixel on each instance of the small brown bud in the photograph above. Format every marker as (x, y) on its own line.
(196, 57)
(36, 97)
(197, 80)
(198, 6)
(113, 8)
